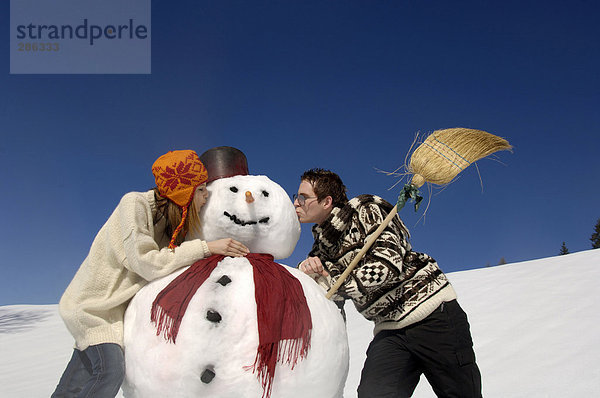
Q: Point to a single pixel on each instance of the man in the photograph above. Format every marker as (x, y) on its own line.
(419, 326)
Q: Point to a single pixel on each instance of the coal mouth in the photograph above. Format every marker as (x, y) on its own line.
(236, 220)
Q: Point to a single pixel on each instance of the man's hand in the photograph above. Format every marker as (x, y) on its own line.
(312, 266)
(227, 247)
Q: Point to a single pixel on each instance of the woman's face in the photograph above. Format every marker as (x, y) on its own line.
(200, 196)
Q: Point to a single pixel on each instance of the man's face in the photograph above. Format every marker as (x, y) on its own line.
(312, 211)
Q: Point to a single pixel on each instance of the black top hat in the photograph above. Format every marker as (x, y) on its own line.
(223, 162)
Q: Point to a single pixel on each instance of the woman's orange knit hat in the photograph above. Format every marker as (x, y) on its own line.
(177, 175)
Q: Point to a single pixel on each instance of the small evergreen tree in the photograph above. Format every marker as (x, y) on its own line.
(596, 236)
(502, 261)
(563, 249)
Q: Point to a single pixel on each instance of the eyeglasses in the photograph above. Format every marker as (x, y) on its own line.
(302, 199)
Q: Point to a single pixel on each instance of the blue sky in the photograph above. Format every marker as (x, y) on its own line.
(343, 85)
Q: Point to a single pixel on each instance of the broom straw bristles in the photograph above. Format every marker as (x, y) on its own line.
(439, 159)
(445, 153)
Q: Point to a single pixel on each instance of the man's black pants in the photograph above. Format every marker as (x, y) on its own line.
(439, 346)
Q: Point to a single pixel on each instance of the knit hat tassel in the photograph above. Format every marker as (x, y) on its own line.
(172, 244)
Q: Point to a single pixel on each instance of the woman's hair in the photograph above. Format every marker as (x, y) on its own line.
(172, 214)
(326, 183)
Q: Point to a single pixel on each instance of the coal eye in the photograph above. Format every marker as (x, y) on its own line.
(265, 193)
(233, 189)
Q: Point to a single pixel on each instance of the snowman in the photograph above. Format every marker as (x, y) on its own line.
(249, 327)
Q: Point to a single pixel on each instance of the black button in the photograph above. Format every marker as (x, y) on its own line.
(224, 280)
(213, 316)
(207, 376)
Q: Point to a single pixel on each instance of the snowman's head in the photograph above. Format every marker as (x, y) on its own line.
(253, 210)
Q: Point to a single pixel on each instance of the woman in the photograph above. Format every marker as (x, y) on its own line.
(141, 241)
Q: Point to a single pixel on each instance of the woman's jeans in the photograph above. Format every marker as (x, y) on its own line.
(97, 371)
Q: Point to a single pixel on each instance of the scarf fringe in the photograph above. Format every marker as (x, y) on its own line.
(295, 348)
(165, 324)
(288, 352)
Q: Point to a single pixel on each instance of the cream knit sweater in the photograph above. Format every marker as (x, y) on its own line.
(124, 256)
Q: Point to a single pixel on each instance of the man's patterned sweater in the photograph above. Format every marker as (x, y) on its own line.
(392, 285)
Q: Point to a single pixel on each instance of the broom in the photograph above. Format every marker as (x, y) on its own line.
(437, 160)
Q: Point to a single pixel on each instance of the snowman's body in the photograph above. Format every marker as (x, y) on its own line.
(218, 337)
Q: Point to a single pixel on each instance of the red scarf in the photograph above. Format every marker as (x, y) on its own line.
(284, 321)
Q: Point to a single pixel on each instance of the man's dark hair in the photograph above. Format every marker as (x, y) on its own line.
(326, 183)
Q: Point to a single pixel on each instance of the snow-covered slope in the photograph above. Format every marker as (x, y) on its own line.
(534, 323)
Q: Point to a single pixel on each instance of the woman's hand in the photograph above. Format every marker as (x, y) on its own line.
(227, 247)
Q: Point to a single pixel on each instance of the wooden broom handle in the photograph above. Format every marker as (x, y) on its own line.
(361, 253)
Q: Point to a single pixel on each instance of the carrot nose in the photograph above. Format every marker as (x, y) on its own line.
(249, 197)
